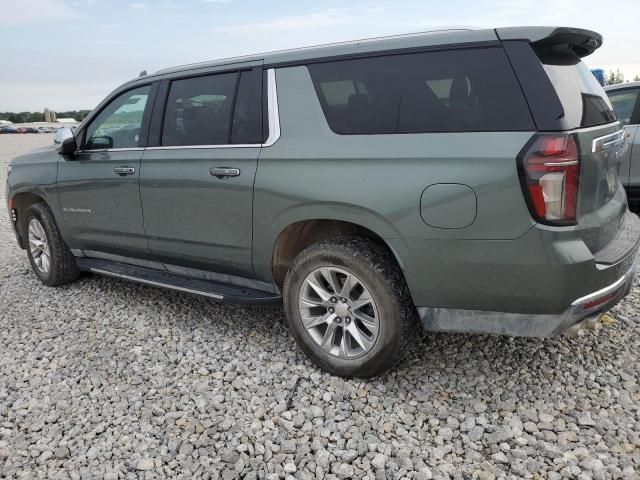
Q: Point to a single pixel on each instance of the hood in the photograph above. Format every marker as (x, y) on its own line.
(39, 155)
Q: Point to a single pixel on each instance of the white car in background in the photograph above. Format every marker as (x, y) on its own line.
(625, 98)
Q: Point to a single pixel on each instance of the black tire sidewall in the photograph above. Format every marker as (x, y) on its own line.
(388, 302)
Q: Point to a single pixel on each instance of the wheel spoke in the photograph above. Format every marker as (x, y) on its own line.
(319, 289)
(317, 320)
(348, 285)
(306, 302)
(329, 276)
(44, 258)
(344, 349)
(360, 338)
(329, 336)
(368, 321)
(365, 299)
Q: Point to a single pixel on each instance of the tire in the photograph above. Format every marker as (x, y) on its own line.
(62, 266)
(374, 270)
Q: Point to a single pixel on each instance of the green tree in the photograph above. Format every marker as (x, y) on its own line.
(30, 117)
(615, 77)
(636, 78)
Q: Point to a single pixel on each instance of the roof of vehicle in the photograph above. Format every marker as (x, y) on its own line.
(618, 86)
(583, 42)
(444, 36)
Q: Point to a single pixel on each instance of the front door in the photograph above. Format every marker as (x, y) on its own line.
(196, 184)
(99, 187)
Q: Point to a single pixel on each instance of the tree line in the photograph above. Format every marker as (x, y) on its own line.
(618, 77)
(31, 117)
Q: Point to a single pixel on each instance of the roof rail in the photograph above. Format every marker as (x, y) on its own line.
(457, 28)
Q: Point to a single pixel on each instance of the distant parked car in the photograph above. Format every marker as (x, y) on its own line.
(45, 130)
(8, 130)
(27, 130)
(625, 98)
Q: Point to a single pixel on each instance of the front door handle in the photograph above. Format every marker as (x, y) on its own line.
(224, 172)
(122, 171)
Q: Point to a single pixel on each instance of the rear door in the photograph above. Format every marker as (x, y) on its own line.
(197, 174)
(98, 188)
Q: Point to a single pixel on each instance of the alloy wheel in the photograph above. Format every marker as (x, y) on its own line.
(338, 312)
(39, 246)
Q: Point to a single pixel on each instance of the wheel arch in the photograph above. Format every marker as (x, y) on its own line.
(21, 202)
(297, 236)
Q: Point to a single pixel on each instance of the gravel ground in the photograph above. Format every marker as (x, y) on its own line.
(105, 379)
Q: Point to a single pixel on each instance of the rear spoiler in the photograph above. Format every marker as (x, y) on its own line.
(577, 40)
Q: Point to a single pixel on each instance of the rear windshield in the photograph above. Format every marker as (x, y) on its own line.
(583, 100)
(444, 91)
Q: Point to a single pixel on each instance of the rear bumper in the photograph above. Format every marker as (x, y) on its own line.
(609, 274)
(529, 325)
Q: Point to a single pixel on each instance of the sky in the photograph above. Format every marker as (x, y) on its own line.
(69, 54)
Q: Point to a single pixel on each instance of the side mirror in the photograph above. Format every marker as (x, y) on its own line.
(62, 134)
(68, 147)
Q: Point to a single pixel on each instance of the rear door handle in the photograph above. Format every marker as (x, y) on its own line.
(224, 172)
(122, 171)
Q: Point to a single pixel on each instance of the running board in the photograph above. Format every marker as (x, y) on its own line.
(221, 292)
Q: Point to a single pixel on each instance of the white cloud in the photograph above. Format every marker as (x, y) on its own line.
(330, 18)
(25, 12)
(139, 5)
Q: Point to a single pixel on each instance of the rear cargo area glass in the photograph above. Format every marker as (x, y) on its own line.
(583, 100)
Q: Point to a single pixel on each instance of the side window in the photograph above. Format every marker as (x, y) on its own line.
(118, 125)
(445, 91)
(199, 110)
(624, 102)
(247, 121)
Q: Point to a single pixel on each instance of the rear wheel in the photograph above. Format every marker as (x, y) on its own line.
(348, 307)
(50, 258)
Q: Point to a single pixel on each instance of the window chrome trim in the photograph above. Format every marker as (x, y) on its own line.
(129, 149)
(273, 116)
(274, 112)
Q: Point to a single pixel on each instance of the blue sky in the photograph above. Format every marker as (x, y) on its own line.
(69, 54)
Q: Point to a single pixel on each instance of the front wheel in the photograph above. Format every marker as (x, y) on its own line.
(348, 307)
(50, 257)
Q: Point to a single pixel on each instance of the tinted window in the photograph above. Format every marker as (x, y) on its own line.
(199, 110)
(118, 125)
(247, 121)
(447, 91)
(584, 102)
(624, 102)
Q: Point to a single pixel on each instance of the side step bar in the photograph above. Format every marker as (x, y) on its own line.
(215, 290)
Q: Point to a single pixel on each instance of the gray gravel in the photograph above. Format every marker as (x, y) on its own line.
(105, 379)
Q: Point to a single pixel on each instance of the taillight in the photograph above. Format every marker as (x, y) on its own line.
(549, 172)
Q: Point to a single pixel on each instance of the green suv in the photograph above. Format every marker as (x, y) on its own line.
(464, 180)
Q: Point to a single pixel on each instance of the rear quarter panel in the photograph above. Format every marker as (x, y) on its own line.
(376, 181)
